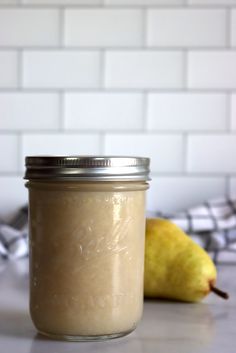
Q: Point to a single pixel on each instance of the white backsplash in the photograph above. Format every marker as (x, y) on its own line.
(155, 78)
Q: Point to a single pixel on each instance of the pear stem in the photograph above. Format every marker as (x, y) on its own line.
(219, 292)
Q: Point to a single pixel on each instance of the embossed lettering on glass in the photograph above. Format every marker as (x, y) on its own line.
(87, 226)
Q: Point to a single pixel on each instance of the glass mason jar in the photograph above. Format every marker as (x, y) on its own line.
(86, 244)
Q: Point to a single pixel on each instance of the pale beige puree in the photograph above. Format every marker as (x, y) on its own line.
(87, 256)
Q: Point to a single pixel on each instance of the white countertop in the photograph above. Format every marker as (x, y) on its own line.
(166, 327)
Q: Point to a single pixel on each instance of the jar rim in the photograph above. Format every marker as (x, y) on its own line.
(96, 168)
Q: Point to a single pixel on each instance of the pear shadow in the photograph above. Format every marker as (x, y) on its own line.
(167, 323)
(167, 301)
(195, 313)
(16, 323)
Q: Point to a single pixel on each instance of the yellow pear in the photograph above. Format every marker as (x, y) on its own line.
(175, 266)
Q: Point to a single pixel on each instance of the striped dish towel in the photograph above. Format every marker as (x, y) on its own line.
(14, 236)
(212, 225)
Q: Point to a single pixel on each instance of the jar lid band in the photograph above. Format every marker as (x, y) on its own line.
(94, 168)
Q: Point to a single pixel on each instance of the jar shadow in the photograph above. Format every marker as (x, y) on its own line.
(16, 323)
(125, 344)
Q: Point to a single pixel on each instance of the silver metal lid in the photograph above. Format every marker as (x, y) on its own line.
(94, 168)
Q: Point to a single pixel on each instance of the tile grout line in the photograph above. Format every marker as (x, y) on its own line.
(152, 132)
(126, 90)
(119, 48)
(121, 6)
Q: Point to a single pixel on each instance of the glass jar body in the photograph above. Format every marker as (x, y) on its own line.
(86, 257)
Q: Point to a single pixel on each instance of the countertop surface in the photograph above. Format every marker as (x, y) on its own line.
(166, 327)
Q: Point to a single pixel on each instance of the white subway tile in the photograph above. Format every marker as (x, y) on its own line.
(233, 112)
(13, 195)
(103, 111)
(165, 151)
(232, 186)
(29, 27)
(187, 111)
(189, 27)
(8, 69)
(8, 153)
(174, 194)
(62, 2)
(143, 2)
(144, 69)
(212, 153)
(212, 69)
(103, 27)
(212, 2)
(61, 69)
(9, 2)
(26, 111)
(233, 27)
(60, 144)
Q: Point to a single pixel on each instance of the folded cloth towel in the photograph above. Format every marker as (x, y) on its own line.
(212, 225)
(14, 236)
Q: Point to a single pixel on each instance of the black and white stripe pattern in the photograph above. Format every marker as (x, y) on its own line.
(212, 225)
(14, 236)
